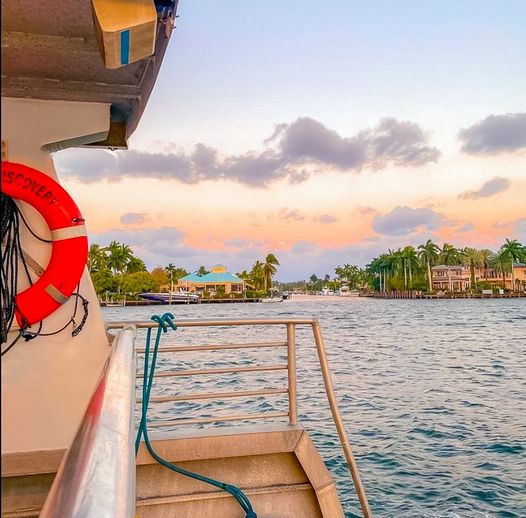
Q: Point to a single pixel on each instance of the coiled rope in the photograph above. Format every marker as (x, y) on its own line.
(11, 252)
(12, 255)
(148, 374)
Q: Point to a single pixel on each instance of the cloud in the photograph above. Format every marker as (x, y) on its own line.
(519, 230)
(303, 247)
(237, 242)
(502, 224)
(88, 165)
(401, 143)
(366, 210)
(324, 219)
(490, 188)
(516, 228)
(467, 227)
(295, 147)
(404, 220)
(290, 215)
(163, 245)
(134, 218)
(254, 170)
(495, 134)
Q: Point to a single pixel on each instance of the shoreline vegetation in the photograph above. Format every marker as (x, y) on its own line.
(408, 272)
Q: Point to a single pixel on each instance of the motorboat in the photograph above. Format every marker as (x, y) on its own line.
(172, 297)
(349, 293)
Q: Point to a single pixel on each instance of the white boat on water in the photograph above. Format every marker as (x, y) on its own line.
(271, 300)
(171, 297)
(79, 75)
(349, 293)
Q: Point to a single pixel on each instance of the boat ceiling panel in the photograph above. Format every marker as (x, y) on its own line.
(49, 51)
(58, 17)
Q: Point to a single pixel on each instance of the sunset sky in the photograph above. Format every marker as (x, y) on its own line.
(324, 132)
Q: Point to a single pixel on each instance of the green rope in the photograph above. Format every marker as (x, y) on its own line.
(148, 374)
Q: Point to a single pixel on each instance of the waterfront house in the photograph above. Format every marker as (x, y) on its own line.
(218, 276)
(519, 275)
(493, 277)
(458, 277)
(452, 278)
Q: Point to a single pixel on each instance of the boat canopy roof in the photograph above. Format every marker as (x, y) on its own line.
(50, 51)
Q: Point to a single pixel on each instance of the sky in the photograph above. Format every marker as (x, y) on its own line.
(323, 132)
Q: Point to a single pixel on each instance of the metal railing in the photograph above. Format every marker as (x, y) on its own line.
(96, 478)
(291, 389)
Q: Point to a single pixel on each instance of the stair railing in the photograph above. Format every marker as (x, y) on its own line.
(291, 389)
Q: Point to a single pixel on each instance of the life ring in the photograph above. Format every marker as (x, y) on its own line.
(69, 249)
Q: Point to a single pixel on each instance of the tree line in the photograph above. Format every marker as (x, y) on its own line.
(116, 270)
(409, 268)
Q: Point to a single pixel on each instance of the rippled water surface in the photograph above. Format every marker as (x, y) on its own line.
(432, 393)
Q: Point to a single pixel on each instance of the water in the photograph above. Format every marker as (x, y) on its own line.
(432, 393)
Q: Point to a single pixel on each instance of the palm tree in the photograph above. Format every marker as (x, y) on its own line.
(117, 259)
(410, 261)
(515, 253)
(118, 256)
(135, 265)
(313, 280)
(386, 266)
(399, 265)
(170, 269)
(393, 262)
(388, 263)
(269, 269)
(449, 255)
(380, 266)
(486, 256)
(202, 271)
(472, 257)
(500, 262)
(257, 275)
(97, 259)
(374, 268)
(348, 273)
(428, 253)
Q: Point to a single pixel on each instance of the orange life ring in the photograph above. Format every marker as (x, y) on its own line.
(69, 250)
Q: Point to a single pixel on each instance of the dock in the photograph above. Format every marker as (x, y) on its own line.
(177, 303)
(421, 295)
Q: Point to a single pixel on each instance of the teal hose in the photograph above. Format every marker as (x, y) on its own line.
(148, 374)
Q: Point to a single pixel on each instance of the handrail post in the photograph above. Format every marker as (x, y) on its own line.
(329, 389)
(291, 365)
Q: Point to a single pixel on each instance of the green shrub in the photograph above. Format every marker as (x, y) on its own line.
(256, 294)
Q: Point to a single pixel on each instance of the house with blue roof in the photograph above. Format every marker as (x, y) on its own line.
(218, 276)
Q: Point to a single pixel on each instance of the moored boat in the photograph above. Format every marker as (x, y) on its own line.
(271, 299)
(172, 297)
